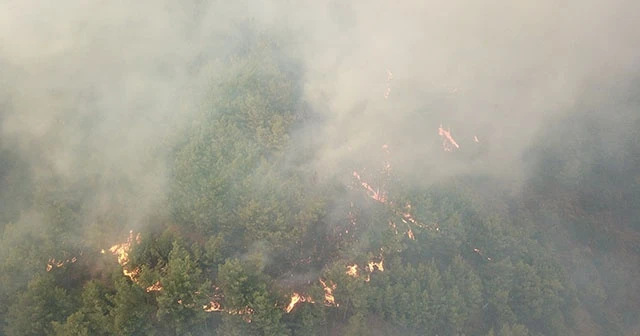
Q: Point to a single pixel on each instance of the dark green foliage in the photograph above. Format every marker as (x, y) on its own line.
(248, 296)
(184, 292)
(245, 124)
(132, 311)
(96, 309)
(37, 307)
(76, 325)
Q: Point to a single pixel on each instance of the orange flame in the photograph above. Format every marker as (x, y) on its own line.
(447, 139)
(295, 298)
(245, 312)
(405, 215)
(212, 306)
(215, 306)
(156, 287)
(393, 226)
(329, 299)
(373, 265)
(352, 270)
(408, 218)
(122, 252)
(132, 274)
(59, 263)
(375, 194)
(410, 234)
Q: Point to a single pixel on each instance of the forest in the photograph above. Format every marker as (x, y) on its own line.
(227, 216)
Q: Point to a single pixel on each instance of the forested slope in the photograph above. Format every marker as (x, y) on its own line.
(251, 239)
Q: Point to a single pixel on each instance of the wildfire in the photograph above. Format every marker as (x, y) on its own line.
(477, 250)
(122, 252)
(376, 194)
(212, 306)
(373, 265)
(215, 306)
(295, 298)
(156, 287)
(393, 226)
(53, 263)
(132, 274)
(447, 140)
(188, 305)
(245, 312)
(381, 196)
(329, 299)
(407, 218)
(352, 270)
(373, 193)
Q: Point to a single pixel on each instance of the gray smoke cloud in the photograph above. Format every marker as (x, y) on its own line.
(494, 69)
(94, 88)
(92, 92)
(91, 89)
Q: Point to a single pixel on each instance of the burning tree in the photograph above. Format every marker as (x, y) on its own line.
(448, 142)
(295, 298)
(122, 252)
